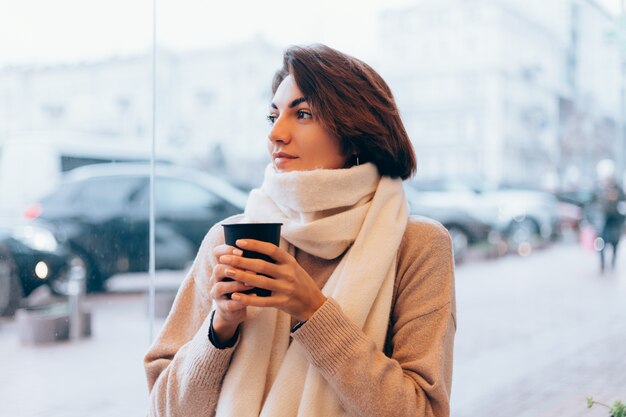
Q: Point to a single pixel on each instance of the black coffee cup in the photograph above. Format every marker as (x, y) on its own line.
(266, 232)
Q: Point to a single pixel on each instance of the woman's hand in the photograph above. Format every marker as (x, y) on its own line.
(229, 313)
(293, 290)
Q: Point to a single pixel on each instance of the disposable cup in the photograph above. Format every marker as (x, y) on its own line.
(266, 232)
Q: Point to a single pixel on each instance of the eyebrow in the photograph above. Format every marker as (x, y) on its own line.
(293, 103)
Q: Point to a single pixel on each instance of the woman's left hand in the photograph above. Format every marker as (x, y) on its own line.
(293, 289)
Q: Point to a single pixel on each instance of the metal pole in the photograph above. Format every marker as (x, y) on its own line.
(621, 44)
(151, 266)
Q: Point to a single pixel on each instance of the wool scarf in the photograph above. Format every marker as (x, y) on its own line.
(326, 213)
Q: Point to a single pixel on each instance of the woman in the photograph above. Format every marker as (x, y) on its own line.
(361, 319)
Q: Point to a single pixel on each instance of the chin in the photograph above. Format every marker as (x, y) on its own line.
(287, 166)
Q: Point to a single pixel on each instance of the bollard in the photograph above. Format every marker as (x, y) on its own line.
(76, 294)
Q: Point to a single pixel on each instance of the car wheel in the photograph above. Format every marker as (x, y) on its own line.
(11, 293)
(79, 267)
(460, 243)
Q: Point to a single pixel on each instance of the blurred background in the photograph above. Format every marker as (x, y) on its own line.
(517, 112)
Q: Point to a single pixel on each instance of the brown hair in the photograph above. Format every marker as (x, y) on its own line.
(355, 103)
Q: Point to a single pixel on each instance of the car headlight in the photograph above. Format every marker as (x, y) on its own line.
(36, 237)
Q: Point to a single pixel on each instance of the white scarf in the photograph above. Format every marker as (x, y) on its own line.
(323, 213)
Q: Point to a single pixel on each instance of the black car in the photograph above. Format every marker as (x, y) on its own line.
(96, 223)
(34, 253)
(10, 288)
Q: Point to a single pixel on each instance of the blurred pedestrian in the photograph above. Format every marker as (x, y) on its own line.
(608, 211)
(361, 316)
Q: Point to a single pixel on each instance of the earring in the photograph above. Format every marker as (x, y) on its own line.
(357, 160)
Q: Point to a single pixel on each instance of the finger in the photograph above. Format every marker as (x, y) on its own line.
(254, 301)
(266, 248)
(220, 250)
(230, 306)
(219, 272)
(254, 280)
(248, 264)
(223, 288)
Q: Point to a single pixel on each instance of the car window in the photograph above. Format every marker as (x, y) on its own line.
(174, 194)
(66, 193)
(109, 190)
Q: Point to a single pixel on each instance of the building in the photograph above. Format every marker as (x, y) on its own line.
(496, 91)
(482, 84)
(591, 114)
(210, 104)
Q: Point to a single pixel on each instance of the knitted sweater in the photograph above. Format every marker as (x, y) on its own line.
(412, 377)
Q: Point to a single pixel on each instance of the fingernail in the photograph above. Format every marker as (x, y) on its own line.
(230, 272)
(242, 243)
(237, 252)
(235, 297)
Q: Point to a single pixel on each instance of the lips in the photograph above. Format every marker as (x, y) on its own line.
(283, 155)
(282, 160)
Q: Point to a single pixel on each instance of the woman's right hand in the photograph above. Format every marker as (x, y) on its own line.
(229, 313)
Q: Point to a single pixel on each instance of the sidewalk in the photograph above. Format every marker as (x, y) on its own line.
(536, 336)
(101, 376)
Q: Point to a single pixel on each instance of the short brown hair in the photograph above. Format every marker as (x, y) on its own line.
(355, 103)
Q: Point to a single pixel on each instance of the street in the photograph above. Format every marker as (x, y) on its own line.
(536, 335)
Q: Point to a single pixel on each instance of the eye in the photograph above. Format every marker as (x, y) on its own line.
(271, 118)
(304, 114)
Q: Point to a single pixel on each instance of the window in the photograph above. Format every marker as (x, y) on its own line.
(76, 91)
(110, 192)
(174, 194)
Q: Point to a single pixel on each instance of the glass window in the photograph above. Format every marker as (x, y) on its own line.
(517, 92)
(109, 191)
(66, 194)
(174, 194)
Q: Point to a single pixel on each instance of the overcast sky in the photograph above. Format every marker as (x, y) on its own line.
(69, 30)
(53, 31)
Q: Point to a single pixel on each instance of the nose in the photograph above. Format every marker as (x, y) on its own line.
(280, 131)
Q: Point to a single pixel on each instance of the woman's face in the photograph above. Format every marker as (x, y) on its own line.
(298, 141)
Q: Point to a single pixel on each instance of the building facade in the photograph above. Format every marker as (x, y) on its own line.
(496, 91)
(482, 84)
(210, 104)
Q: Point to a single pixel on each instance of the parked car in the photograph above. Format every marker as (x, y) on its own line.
(97, 222)
(10, 288)
(465, 229)
(520, 216)
(40, 158)
(527, 215)
(34, 255)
